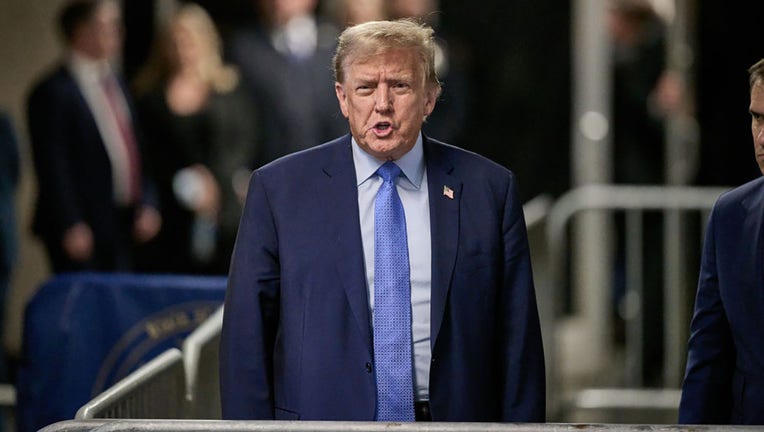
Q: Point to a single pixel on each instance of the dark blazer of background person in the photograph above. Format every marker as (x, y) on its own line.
(73, 173)
(295, 99)
(9, 179)
(301, 321)
(222, 137)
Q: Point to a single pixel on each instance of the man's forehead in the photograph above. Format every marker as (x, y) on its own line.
(369, 68)
(757, 95)
(389, 61)
(757, 101)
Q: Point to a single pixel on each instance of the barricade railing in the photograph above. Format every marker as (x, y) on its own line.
(200, 359)
(155, 390)
(536, 210)
(333, 426)
(582, 330)
(177, 384)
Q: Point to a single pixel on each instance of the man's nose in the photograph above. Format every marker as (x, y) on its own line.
(383, 101)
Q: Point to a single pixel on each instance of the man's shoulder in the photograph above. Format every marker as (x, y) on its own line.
(743, 194)
(320, 155)
(463, 160)
(55, 80)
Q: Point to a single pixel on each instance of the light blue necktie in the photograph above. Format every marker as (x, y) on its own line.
(392, 303)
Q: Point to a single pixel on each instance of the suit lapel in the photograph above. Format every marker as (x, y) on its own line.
(67, 77)
(343, 194)
(445, 196)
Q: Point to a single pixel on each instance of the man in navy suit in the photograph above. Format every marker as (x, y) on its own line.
(91, 183)
(724, 380)
(301, 322)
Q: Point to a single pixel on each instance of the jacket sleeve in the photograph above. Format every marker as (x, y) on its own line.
(251, 313)
(524, 382)
(706, 391)
(49, 115)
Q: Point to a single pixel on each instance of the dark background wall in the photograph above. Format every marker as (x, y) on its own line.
(729, 42)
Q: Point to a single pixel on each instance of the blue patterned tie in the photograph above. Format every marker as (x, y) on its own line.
(392, 303)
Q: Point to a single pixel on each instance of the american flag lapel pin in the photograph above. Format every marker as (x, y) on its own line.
(447, 191)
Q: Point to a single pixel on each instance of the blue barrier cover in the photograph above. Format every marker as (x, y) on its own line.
(84, 332)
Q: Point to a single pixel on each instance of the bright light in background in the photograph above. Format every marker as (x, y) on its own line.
(666, 9)
(593, 125)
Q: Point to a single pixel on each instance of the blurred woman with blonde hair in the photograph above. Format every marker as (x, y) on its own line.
(201, 132)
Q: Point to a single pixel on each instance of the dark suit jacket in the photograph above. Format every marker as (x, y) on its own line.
(297, 106)
(73, 170)
(220, 136)
(724, 381)
(9, 179)
(297, 338)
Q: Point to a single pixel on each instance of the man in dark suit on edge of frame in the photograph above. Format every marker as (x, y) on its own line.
(724, 382)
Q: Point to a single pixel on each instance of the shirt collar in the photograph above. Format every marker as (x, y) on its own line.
(411, 163)
(88, 68)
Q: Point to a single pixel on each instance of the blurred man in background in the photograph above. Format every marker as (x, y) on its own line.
(284, 61)
(91, 180)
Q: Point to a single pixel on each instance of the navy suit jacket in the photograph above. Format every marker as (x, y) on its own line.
(72, 166)
(297, 338)
(724, 380)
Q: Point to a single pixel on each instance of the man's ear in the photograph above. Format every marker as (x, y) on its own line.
(342, 98)
(432, 97)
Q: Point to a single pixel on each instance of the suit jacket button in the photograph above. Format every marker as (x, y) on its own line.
(368, 367)
(432, 360)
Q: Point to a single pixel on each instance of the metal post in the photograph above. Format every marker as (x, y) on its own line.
(589, 336)
(681, 164)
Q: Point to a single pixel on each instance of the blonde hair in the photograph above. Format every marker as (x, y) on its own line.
(221, 77)
(375, 37)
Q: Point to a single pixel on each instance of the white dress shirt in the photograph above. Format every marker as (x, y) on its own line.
(89, 75)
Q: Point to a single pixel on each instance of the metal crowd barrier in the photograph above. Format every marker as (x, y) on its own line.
(200, 359)
(177, 384)
(332, 426)
(155, 390)
(579, 341)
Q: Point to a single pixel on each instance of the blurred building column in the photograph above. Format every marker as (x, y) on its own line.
(585, 344)
(682, 160)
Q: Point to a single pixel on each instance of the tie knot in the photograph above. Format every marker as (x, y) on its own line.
(389, 171)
